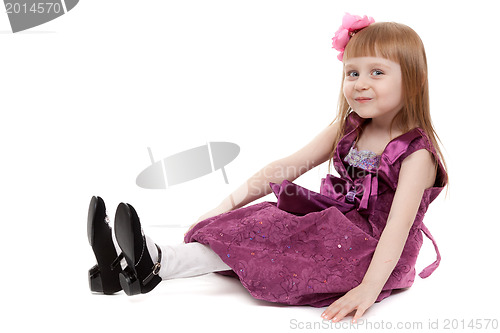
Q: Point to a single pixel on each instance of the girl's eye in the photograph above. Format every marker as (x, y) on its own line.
(352, 74)
(377, 72)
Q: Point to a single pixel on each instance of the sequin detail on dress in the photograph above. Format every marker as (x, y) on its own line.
(363, 159)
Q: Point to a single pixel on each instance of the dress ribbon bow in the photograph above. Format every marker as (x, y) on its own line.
(357, 192)
(343, 194)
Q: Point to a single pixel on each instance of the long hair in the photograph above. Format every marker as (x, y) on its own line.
(399, 43)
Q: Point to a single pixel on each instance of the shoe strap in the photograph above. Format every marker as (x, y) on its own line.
(117, 261)
(156, 268)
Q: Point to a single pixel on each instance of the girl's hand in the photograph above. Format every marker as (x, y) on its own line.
(212, 213)
(359, 298)
(199, 220)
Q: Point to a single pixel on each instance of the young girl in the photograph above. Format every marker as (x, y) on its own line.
(346, 247)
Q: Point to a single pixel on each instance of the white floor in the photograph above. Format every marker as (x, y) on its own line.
(46, 256)
(51, 291)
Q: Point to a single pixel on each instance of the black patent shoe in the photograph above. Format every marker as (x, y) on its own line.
(103, 277)
(141, 274)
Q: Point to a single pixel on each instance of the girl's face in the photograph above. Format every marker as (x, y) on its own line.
(373, 87)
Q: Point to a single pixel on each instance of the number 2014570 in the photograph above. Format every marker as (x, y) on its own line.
(36, 8)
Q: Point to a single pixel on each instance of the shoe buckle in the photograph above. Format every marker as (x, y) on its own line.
(156, 268)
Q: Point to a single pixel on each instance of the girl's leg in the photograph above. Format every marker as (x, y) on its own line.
(141, 270)
(148, 264)
(186, 260)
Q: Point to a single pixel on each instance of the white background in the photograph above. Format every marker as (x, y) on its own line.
(83, 96)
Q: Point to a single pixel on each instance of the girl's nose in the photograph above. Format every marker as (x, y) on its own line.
(361, 83)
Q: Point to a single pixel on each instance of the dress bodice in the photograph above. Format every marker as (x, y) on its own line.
(364, 159)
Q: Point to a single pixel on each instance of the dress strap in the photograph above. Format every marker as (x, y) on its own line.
(432, 267)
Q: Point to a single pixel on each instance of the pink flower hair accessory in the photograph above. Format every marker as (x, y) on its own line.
(351, 24)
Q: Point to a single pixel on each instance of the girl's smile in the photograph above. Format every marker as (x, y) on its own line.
(363, 99)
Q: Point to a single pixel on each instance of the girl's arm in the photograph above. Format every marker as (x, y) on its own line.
(290, 168)
(417, 173)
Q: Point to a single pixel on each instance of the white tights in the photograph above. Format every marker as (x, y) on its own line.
(186, 260)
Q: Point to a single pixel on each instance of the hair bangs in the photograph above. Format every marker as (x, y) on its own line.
(369, 42)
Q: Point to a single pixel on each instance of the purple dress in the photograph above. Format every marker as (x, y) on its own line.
(310, 248)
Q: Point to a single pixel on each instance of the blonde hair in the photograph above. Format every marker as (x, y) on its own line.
(399, 43)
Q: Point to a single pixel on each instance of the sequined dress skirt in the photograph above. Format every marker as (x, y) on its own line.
(292, 258)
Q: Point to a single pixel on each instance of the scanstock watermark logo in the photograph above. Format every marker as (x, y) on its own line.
(26, 14)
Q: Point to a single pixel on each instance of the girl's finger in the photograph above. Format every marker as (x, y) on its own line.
(342, 313)
(330, 312)
(332, 309)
